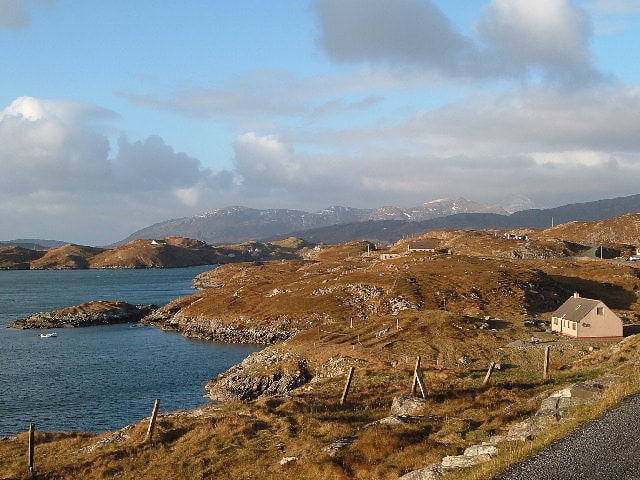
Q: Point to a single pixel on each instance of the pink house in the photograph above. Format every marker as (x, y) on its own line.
(585, 318)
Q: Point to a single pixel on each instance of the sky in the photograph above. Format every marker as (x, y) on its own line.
(120, 114)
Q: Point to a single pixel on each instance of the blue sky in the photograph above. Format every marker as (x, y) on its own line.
(116, 115)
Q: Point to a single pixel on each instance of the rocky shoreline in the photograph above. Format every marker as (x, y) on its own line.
(214, 329)
(99, 312)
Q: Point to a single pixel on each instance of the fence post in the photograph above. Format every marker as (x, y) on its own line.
(546, 363)
(347, 385)
(420, 382)
(488, 375)
(32, 429)
(152, 420)
(415, 375)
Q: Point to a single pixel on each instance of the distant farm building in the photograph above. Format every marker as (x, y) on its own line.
(424, 246)
(585, 318)
(514, 236)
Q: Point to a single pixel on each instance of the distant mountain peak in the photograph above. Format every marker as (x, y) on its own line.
(517, 203)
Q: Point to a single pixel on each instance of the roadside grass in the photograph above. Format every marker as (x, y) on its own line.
(512, 453)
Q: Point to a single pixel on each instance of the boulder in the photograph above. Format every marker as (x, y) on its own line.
(406, 405)
(432, 472)
(453, 462)
(474, 450)
(264, 373)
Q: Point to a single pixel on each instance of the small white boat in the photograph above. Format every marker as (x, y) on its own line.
(48, 335)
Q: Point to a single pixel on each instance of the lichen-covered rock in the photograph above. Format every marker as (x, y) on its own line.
(475, 450)
(406, 405)
(432, 472)
(265, 373)
(453, 462)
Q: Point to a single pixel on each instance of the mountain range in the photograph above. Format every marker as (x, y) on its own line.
(238, 224)
(386, 224)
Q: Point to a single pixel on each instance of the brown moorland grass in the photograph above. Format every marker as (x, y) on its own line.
(338, 299)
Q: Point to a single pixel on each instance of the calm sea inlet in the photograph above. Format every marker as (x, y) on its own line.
(97, 379)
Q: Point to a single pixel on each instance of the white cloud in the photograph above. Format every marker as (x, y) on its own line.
(601, 118)
(189, 197)
(550, 34)
(57, 163)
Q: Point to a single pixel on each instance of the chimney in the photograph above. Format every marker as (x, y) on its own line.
(576, 295)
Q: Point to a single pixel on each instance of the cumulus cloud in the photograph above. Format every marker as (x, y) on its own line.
(399, 32)
(45, 144)
(552, 35)
(274, 175)
(57, 160)
(15, 13)
(515, 38)
(601, 118)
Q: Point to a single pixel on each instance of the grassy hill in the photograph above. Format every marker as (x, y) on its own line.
(459, 308)
(170, 252)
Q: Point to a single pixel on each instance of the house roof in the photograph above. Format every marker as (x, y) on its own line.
(575, 308)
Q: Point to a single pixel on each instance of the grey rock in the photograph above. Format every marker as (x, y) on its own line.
(530, 428)
(432, 472)
(453, 462)
(406, 405)
(475, 450)
(464, 360)
(240, 382)
(339, 444)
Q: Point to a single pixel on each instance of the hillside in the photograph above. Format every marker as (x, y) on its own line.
(18, 258)
(165, 253)
(479, 297)
(66, 257)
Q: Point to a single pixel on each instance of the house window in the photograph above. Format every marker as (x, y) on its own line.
(555, 320)
(573, 325)
(599, 310)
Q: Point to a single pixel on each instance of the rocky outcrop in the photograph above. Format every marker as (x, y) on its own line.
(99, 312)
(264, 373)
(214, 329)
(552, 410)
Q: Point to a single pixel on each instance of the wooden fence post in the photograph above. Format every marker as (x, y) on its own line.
(415, 375)
(152, 420)
(488, 375)
(546, 363)
(32, 429)
(347, 385)
(423, 389)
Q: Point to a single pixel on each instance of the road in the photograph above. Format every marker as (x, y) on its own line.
(604, 449)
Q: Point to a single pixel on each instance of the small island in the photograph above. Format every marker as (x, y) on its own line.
(99, 312)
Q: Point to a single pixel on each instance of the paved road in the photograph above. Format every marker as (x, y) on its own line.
(607, 448)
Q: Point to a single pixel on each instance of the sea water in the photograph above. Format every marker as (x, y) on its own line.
(97, 379)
